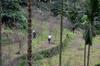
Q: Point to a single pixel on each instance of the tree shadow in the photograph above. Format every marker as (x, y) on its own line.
(97, 65)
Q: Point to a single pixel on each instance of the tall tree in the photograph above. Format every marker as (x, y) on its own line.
(0, 35)
(91, 11)
(61, 33)
(29, 50)
(0, 43)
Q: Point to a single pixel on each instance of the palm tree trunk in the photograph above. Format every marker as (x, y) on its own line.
(29, 51)
(88, 57)
(61, 33)
(85, 55)
(0, 42)
(0, 36)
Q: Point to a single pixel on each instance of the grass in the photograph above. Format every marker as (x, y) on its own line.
(71, 56)
(96, 40)
(44, 31)
(53, 61)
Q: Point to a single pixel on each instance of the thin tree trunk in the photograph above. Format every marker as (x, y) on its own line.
(61, 33)
(88, 57)
(0, 36)
(91, 18)
(61, 29)
(0, 42)
(85, 55)
(29, 51)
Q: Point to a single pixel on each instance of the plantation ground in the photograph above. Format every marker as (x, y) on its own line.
(72, 54)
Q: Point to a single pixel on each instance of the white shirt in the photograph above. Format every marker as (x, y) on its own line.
(49, 36)
(33, 31)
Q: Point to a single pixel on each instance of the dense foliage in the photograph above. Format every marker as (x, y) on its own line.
(12, 14)
(74, 10)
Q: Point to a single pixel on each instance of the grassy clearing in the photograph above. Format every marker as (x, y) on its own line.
(96, 40)
(43, 30)
(73, 56)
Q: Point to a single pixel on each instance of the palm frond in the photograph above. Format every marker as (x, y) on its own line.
(88, 36)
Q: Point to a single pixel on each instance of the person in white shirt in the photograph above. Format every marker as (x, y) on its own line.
(49, 38)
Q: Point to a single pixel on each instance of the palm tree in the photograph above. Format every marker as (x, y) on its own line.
(61, 33)
(0, 33)
(85, 55)
(88, 42)
(92, 11)
(0, 41)
(29, 51)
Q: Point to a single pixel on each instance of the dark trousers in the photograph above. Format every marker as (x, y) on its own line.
(49, 40)
(34, 35)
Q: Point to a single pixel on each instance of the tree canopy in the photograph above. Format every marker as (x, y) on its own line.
(12, 14)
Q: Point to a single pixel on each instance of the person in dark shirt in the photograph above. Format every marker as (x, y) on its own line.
(34, 34)
(45, 1)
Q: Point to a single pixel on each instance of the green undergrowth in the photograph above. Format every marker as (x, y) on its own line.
(43, 31)
(49, 56)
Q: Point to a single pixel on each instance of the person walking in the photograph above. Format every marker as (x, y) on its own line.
(34, 34)
(49, 38)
